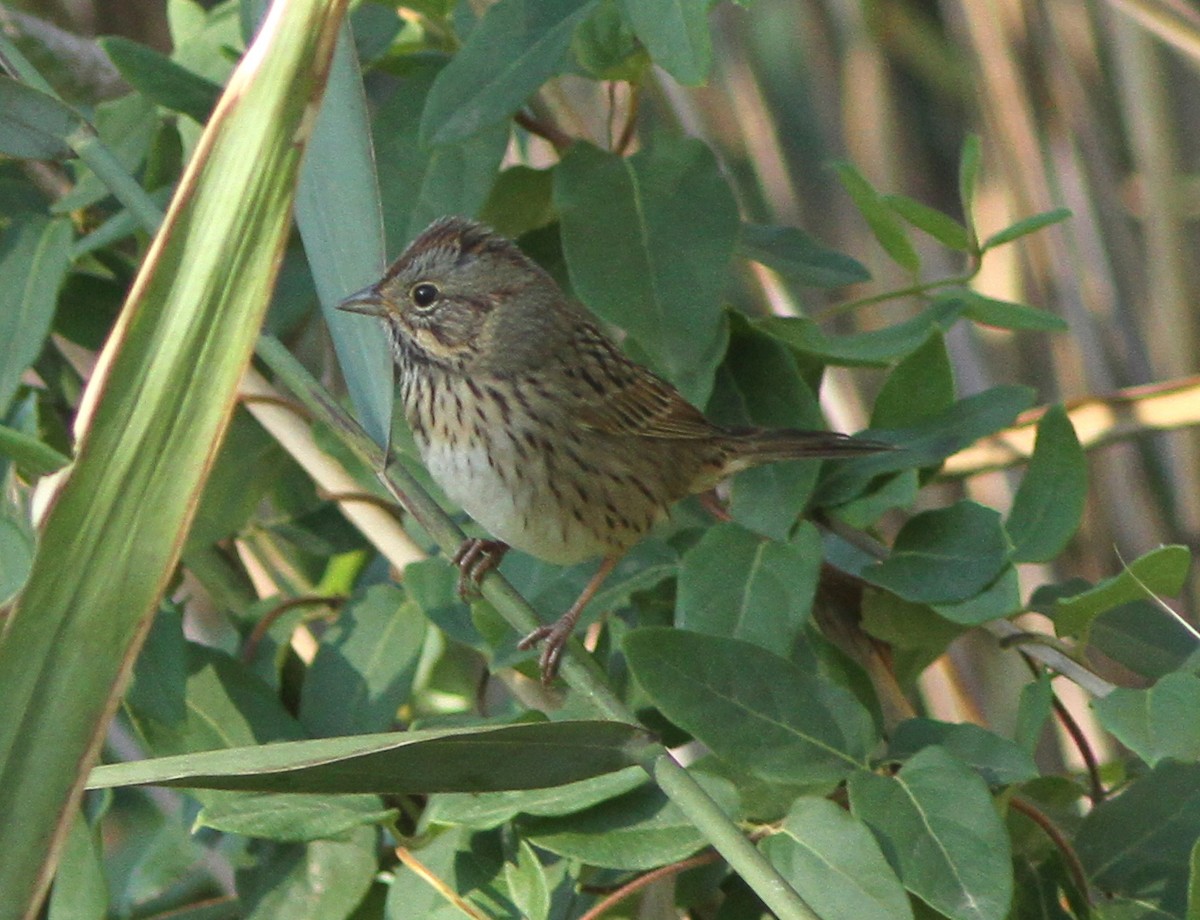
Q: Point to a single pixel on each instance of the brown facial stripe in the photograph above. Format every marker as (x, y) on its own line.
(477, 241)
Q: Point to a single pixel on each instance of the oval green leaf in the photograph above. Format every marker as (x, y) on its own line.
(648, 241)
(752, 708)
(944, 555)
(1049, 502)
(940, 831)
(34, 125)
(834, 863)
(798, 257)
(1160, 571)
(888, 232)
(735, 583)
(675, 32)
(511, 51)
(1156, 723)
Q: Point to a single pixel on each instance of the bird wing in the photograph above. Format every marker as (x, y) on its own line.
(636, 402)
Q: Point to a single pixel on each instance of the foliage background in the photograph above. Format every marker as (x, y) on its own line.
(295, 632)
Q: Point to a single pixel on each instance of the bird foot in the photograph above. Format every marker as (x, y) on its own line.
(475, 558)
(555, 637)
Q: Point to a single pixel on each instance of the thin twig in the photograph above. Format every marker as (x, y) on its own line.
(1098, 793)
(631, 117)
(431, 879)
(913, 290)
(642, 881)
(365, 498)
(282, 401)
(1070, 857)
(548, 131)
(272, 616)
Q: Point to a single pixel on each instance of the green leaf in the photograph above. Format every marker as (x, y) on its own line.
(734, 583)
(527, 883)
(337, 211)
(325, 878)
(1193, 888)
(484, 810)
(1139, 842)
(521, 200)
(126, 126)
(1037, 700)
(31, 455)
(292, 818)
(1025, 227)
(1049, 502)
(798, 257)
(759, 383)
(551, 589)
(35, 125)
(1143, 637)
(1004, 314)
(648, 239)
(1160, 571)
(834, 863)
(888, 231)
(433, 585)
(113, 535)
(928, 442)
(1156, 723)
(639, 830)
(471, 864)
(919, 387)
(942, 555)
(916, 633)
(752, 708)
(862, 349)
(675, 32)
(364, 667)
(80, 890)
(1002, 598)
(420, 184)
(968, 178)
(35, 254)
(898, 490)
(905, 625)
(940, 831)
(435, 760)
(16, 554)
(606, 47)
(157, 77)
(997, 760)
(511, 51)
(942, 227)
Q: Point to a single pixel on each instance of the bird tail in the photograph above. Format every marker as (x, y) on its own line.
(755, 446)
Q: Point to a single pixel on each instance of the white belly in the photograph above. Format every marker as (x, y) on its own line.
(522, 514)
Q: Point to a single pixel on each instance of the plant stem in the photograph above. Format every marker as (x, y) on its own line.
(578, 669)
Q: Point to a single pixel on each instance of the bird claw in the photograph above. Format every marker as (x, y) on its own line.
(475, 558)
(555, 638)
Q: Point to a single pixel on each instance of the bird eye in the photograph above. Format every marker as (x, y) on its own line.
(424, 294)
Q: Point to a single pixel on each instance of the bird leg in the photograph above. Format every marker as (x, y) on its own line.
(557, 633)
(475, 558)
(711, 502)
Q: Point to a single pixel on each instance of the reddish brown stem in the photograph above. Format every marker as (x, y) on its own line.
(632, 888)
(272, 615)
(1050, 829)
(1098, 793)
(556, 136)
(626, 138)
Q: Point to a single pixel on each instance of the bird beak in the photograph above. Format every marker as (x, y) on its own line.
(367, 301)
